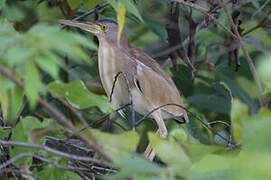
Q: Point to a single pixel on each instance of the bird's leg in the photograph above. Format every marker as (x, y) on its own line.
(162, 132)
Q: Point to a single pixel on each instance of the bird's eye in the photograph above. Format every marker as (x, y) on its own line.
(104, 27)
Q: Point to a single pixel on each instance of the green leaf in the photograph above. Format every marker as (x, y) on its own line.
(256, 132)
(48, 64)
(117, 145)
(198, 151)
(17, 98)
(156, 28)
(169, 151)
(79, 96)
(32, 83)
(138, 166)
(75, 3)
(121, 18)
(239, 111)
(179, 134)
(255, 42)
(114, 4)
(126, 141)
(213, 162)
(239, 92)
(17, 55)
(2, 4)
(91, 4)
(4, 103)
(215, 103)
(4, 133)
(132, 8)
(264, 71)
(29, 123)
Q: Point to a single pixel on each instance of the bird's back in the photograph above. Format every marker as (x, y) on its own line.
(157, 85)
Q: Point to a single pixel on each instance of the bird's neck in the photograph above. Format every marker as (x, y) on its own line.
(108, 65)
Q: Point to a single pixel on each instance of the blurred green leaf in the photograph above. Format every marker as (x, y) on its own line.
(197, 151)
(213, 162)
(215, 103)
(114, 4)
(48, 64)
(17, 98)
(264, 71)
(118, 145)
(4, 103)
(132, 8)
(239, 112)
(18, 55)
(91, 4)
(75, 3)
(32, 83)
(179, 134)
(239, 92)
(156, 28)
(218, 97)
(79, 96)
(13, 13)
(255, 3)
(256, 136)
(255, 42)
(169, 151)
(139, 168)
(2, 4)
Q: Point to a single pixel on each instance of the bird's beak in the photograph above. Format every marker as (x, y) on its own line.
(87, 26)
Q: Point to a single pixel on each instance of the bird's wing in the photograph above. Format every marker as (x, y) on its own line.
(150, 62)
(158, 91)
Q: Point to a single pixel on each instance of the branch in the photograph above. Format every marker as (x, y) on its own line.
(98, 7)
(205, 12)
(53, 151)
(5, 72)
(195, 116)
(248, 58)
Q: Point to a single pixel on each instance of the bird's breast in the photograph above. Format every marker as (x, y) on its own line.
(109, 67)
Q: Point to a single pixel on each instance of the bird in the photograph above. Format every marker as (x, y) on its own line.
(150, 86)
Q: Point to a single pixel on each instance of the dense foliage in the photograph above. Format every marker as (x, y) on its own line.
(49, 87)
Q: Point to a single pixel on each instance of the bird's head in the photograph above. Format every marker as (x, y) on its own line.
(104, 29)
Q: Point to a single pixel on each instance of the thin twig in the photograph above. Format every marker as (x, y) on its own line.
(259, 25)
(81, 118)
(221, 122)
(130, 96)
(113, 86)
(53, 151)
(98, 7)
(22, 155)
(19, 171)
(205, 12)
(195, 116)
(248, 58)
(131, 101)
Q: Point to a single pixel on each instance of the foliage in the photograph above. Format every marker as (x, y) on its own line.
(228, 133)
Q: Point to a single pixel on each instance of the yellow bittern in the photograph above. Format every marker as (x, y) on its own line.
(150, 85)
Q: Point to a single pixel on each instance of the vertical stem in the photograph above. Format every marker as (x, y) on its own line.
(248, 58)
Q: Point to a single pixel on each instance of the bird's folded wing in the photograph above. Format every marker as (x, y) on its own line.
(157, 90)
